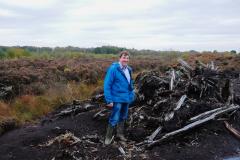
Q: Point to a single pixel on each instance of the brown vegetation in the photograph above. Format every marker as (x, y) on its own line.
(39, 85)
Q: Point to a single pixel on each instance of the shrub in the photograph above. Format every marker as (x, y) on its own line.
(17, 53)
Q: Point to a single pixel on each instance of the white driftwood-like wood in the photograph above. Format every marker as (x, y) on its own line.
(194, 124)
(232, 130)
(204, 114)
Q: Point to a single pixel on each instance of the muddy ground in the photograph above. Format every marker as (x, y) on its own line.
(210, 141)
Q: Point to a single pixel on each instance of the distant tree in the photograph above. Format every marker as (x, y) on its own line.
(193, 51)
(2, 54)
(3, 48)
(233, 52)
(108, 50)
(17, 53)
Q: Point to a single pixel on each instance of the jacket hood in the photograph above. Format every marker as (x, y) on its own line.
(115, 64)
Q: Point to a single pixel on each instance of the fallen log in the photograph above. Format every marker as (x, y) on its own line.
(173, 77)
(204, 114)
(150, 138)
(76, 109)
(185, 64)
(154, 134)
(122, 151)
(201, 64)
(193, 125)
(101, 113)
(232, 130)
(5, 91)
(180, 102)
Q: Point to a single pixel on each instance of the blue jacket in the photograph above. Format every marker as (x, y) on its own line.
(116, 86)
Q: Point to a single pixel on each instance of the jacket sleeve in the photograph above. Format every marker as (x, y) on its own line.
(108, 81)
(132, 97)
(132, 81)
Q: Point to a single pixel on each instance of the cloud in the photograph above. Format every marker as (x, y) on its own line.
(150, 24)
(113, 8)
(33, 4)
(7, 13)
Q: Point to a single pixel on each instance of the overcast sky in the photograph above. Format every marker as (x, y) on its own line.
(141, 24)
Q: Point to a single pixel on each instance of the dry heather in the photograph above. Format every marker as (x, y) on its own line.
(36, 76)
(39, 85)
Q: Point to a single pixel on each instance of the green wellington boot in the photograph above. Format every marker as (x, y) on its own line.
(120, 132)
(109, 135)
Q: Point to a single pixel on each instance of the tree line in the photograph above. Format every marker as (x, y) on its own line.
(29, 51)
